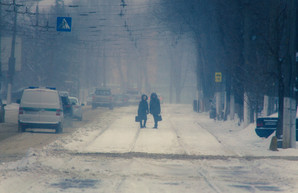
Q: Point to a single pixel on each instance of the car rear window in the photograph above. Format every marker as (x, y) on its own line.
(132, 92)
(103, 92)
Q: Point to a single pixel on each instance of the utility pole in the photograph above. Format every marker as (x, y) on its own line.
(12, 59)
(0, 47)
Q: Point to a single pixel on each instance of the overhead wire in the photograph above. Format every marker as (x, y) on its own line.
(94, 19)
(93, 16)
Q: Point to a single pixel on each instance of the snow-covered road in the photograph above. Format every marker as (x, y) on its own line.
(188, 153)
(177, 134)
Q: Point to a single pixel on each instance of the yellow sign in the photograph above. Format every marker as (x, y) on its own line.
(218, 77)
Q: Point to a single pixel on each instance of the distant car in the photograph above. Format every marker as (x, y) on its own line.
(67, 107)
(102, 97)
(77, 111)
(267, 125)
(40, 108)
(134, 96)
(161, 99)
(2, 111)
(120, 100)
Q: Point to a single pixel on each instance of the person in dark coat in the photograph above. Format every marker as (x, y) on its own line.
(155, 108)
(143, 111)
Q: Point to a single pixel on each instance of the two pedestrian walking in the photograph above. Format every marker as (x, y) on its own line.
(143, 110)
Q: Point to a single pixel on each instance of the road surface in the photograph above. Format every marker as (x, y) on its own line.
(187, 153)
(13, 145)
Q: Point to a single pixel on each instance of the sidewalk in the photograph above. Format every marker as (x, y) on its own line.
(244, 141)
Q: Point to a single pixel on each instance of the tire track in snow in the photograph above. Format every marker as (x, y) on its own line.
(226, 147)
(117, 188)
(179, 140)
(209, 182)
(103, 130)
(110, 119)
(96, 136)
(134, 141)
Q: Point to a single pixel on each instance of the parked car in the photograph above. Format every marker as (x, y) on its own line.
(267, 125)
(77, 111)
(40, 108)
(2, 111)
(102, 97)
(67, 107)
(89, 99)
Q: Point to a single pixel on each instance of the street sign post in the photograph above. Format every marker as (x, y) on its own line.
(64, 24)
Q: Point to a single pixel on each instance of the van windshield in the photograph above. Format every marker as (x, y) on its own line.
(40, 97)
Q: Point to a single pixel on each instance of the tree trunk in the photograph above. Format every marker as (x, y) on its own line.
(289, 118)
(266, 106)
(289, 123)
(232, 107)
(246, 110)
(218, 105)
(279, 128)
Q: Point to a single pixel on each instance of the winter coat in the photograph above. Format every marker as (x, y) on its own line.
(154, 104)
(143, 108)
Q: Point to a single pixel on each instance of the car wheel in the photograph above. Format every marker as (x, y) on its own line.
(59, 129)
(21, 128)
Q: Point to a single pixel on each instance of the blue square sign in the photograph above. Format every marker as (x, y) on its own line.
(64, 24)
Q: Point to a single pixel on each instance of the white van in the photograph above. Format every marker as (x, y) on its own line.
(40, 108)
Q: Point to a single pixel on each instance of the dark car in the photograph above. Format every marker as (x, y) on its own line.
(2, 112)
(267, 125)
(67, 106)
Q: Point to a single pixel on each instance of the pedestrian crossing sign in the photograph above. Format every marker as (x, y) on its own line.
(64, 24)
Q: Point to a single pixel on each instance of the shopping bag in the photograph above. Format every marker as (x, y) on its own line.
(137, 119)
(159, 118)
